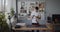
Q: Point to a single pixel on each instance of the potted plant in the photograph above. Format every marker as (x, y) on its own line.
(3, 24)
(12, 11)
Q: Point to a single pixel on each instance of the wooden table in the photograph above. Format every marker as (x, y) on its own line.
(25, 28)
(33, 28)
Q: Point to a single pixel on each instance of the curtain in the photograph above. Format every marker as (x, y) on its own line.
(2, 5)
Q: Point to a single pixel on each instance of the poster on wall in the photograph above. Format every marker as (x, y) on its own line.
(41, 7)
(22, 3)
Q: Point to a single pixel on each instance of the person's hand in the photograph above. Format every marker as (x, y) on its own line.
(38, 17)
(29, 17)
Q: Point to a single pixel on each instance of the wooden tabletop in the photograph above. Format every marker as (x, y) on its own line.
(31, 28)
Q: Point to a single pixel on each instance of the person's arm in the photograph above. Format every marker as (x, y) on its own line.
(30, 16)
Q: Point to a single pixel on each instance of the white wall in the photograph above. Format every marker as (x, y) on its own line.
(52, 7)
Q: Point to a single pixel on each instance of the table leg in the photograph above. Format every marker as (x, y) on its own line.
(32, 30)
(37, 30)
